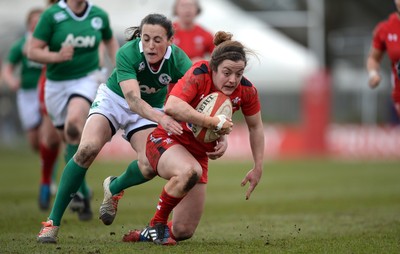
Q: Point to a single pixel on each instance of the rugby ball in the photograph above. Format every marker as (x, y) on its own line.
(213, 104)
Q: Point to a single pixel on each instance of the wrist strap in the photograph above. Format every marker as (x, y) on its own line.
(222, 120)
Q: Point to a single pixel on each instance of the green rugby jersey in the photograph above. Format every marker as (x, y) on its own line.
(59, 26)
(132, 64)
(30, 70)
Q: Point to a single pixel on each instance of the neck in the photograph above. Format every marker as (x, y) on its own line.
(186, 25)
(77, 6)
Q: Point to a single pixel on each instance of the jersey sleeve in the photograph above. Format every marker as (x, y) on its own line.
(106, 31)
(15, 54)
(251, 102)
(186, 88)
(183, 61)
(378, 37)
(44, 28)
(124, 66)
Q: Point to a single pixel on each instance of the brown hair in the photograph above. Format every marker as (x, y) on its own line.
(227, 49)
(132, 33)
(195, 1)
(31, 13)
(50, 2)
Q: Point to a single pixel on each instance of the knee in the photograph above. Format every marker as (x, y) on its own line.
(72, 132)
(182, 232)
(86, 154)
(145, 167)
(191, 177)
(51, 142)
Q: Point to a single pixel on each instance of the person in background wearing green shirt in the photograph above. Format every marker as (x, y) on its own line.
(67, 40)
(41, 134)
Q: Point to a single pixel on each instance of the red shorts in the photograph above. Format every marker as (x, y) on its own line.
(41, 82)
(159, 141)
(396, 95)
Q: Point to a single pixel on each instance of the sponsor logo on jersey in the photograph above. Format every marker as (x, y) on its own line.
(155, 140)
(60, 16)
(97, 23)
(80, 41)
(32, 64)
(164, 79)
(392, 37)
(148, 90)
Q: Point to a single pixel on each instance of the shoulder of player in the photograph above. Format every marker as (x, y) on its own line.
(200, 29)
(383, 25)
(19, 43)
(178, 53)
(130, 53)
(98, 10)
(245, 82)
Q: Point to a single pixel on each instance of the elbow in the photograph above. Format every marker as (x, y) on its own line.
(30, 54)
(168, 109)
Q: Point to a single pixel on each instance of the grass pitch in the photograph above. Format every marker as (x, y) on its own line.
(300, 206)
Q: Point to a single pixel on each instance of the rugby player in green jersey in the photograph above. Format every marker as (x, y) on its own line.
(67, 39)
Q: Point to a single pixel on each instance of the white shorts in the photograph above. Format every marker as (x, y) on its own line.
(58, 93)
(116, 110)
(28, 108)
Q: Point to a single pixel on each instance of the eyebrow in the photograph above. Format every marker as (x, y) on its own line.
(229, 69)
(156, 37)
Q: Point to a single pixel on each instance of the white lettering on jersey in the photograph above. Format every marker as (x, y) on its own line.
(392, 37)
(147, 90)
(32, 64)
(80, 41)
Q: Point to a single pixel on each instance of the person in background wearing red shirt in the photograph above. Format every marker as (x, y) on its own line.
(182, 159)
(386, 38)
(189, 36)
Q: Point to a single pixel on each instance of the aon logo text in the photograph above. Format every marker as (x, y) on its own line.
(80, 41)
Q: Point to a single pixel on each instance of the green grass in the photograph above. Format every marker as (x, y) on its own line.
(300, 206)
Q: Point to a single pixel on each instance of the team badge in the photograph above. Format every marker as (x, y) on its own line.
(97, 23)
(142, 66)
(164, 79)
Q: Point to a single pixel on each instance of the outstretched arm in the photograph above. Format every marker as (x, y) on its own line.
(256, 135)
(373, 63)
(131, 91)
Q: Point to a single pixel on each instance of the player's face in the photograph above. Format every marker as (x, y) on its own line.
(228, 76)
(33, 21)
(155, 42)
(397, 3)
(186, 10)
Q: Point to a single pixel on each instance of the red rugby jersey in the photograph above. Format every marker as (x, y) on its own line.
(386, 38)
(196, 43)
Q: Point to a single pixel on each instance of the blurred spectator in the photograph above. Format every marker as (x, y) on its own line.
(386, 38)
(189, 36)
